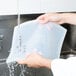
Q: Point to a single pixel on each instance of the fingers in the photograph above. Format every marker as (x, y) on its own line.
(42, 19)
(52, 17)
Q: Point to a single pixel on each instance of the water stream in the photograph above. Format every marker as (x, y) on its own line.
(16, 69)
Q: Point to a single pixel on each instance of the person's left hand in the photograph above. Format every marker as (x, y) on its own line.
(36, 60)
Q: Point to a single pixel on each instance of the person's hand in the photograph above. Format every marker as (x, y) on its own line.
(58, 18)
(51, 17)
(36, 60)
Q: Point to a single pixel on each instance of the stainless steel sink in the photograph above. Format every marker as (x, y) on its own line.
(4, 71)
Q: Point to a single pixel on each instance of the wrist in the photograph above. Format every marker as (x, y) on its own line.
(66, 17)
(47, 63)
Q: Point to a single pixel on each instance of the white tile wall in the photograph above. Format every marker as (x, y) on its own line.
(36, 6)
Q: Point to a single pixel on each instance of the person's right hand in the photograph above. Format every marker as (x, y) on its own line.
(36, 60)
(51, 17)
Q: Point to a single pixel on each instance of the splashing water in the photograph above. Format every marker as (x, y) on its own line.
(16, 69)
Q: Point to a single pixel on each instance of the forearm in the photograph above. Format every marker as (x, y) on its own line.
(69, 18)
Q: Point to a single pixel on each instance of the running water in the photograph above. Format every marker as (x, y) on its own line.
(16, 69)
